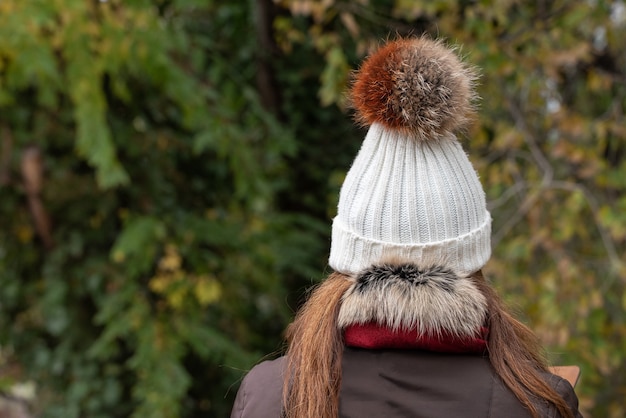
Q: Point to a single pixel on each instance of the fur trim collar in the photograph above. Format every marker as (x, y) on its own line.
(433, 301)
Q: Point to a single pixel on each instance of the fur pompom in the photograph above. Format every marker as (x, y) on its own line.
(416, 86)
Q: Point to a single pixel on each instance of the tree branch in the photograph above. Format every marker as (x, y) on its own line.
(265, 78)
(5, 158)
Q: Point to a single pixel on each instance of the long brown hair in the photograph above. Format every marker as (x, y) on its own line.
(517, 355)
(313, 378)
(315, 346)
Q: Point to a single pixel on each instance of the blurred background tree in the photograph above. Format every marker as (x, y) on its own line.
(169, 169)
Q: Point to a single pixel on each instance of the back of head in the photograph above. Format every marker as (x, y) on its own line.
(412, 233)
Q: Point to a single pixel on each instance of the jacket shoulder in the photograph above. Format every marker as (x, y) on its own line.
(564, 388)
(260, 393)
(504, 398)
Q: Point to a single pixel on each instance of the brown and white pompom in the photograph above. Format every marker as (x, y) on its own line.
(416, 86)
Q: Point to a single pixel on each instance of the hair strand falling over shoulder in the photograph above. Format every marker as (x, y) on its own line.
(313, 378)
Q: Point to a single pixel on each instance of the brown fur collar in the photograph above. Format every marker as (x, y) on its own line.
(403, 296)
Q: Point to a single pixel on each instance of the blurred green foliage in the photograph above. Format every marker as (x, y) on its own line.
(168, 172)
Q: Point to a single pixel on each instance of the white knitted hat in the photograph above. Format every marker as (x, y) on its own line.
(411, 192)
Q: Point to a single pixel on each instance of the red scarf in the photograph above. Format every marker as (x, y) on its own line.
(375, 336)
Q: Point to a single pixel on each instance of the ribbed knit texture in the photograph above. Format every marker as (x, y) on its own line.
(417, 200)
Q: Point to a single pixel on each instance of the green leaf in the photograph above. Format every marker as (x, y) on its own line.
(138, 243)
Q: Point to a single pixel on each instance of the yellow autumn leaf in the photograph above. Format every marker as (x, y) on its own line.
(159, 283)
(177, 296)
(118, 256)
(171, 260)
(24, 233)
(207, 290)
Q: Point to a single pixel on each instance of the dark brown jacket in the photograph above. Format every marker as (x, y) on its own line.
(403, 383)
